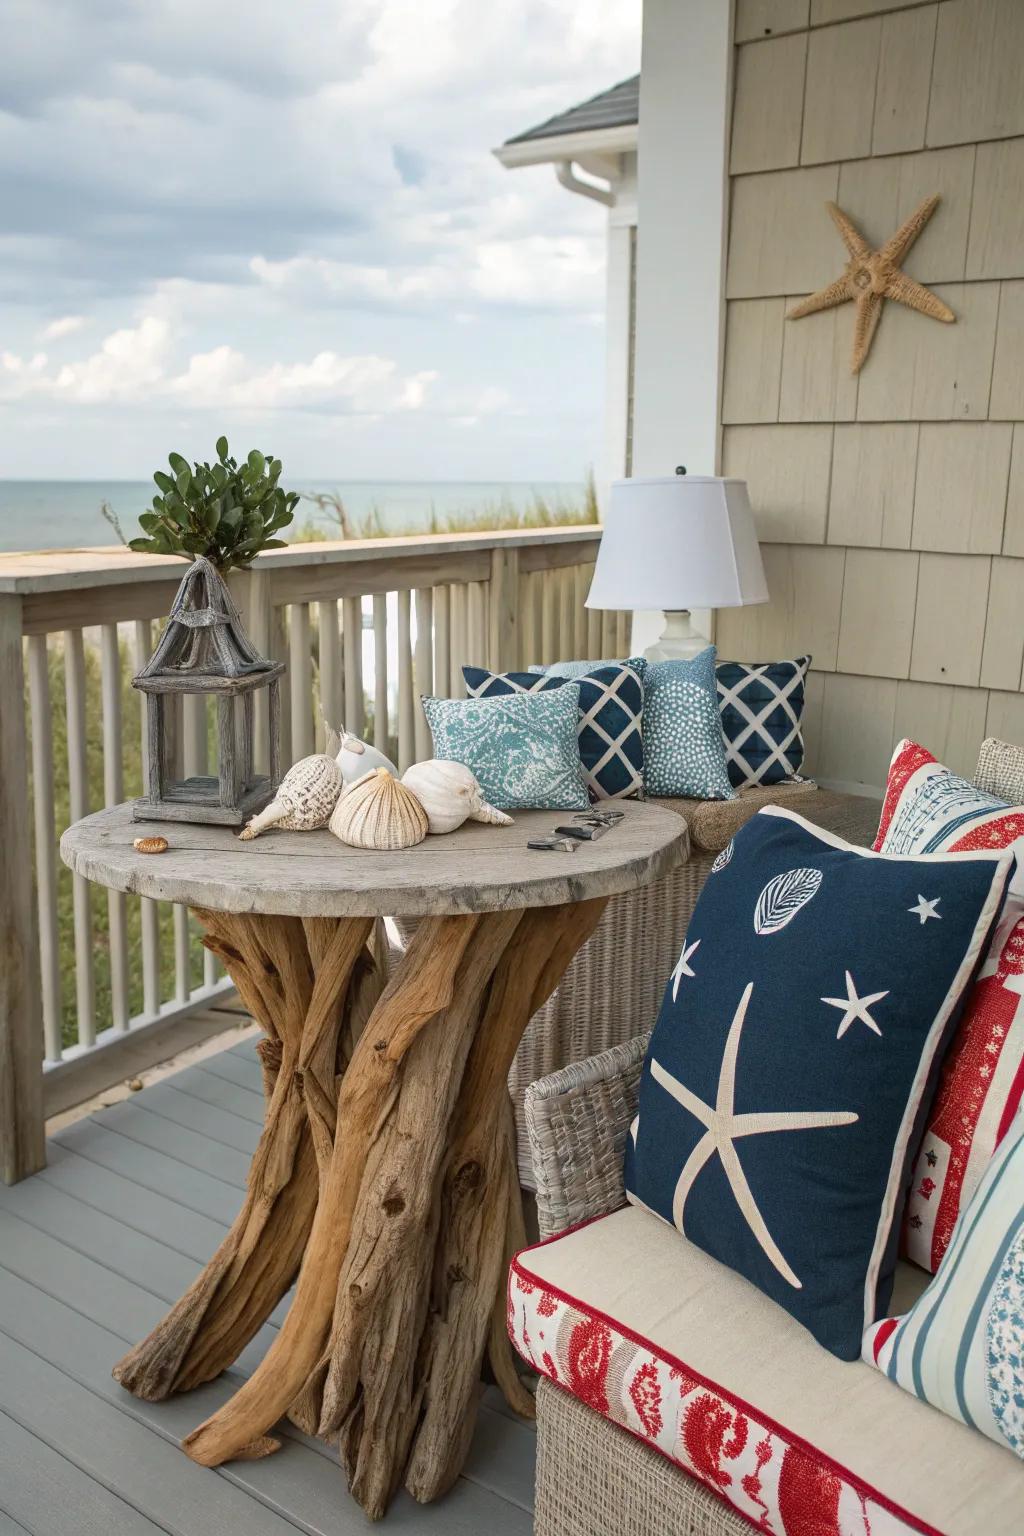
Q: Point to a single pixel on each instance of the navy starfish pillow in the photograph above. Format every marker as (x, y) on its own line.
(795, 1056)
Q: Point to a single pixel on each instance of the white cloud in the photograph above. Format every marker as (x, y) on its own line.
(67, 325)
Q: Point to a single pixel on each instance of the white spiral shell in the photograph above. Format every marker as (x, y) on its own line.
(785, 896)
(304, 799)
(450, 794)
(355, 757)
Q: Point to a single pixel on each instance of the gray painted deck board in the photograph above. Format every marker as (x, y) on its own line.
(200, 1084)
(91, 1252)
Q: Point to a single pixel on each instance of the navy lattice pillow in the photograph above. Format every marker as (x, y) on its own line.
(762, 705)
(611, 715)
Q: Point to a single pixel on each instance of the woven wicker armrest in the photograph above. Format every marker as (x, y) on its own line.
(577, 1121)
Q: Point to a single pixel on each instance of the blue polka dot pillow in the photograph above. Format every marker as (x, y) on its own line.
(684, 750)
(611, 699)
(762, 706)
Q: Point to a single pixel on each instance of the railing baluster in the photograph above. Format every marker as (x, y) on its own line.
(380, 671)
(406, 703)
(149, 910)
(566, 615)
(549, 618)
(609, 634)
(503, 610)
(442, 640)
(300, 677)
(113, 794)
(581, 586)
(529, 620)
(355, 704)
(278, 650)
(460, 639)
(623, 625)
(78, 783)
(45, 841)
(593, 645)
(332, 708)
(424, 668)
(476, 624)
(258, 621)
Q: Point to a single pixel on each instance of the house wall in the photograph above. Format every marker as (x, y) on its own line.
(891, 504)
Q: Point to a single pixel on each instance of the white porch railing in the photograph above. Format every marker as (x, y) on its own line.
(365, 626)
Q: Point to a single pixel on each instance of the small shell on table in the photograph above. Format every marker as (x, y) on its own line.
(377, 811)
(304, 800)
(355, 758)
(450, 794)
(150, 845)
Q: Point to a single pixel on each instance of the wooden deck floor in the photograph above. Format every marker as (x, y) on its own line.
(92, 1250)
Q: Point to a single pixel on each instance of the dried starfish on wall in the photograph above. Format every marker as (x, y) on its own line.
(872, 276)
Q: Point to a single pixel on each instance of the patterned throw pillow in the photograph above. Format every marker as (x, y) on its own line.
(574, 670)
(611, 711)
(928, 808)
(790, 1067)
(961, 1345)
(762, 705)
(684, 753)
(523, 747)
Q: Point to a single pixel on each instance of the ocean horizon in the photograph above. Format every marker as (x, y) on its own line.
(66, 514)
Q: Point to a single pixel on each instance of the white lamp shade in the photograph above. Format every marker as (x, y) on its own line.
(678, 542)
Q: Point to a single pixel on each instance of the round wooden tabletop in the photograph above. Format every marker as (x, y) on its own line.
(311, 874)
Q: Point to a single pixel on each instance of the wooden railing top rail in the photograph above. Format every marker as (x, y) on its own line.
(67, 570)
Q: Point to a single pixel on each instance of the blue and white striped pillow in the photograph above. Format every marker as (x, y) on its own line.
(961, 1345)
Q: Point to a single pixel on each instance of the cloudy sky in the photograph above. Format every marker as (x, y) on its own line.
(283, 221)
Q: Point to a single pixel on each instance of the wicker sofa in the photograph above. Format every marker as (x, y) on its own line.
(840, 1447)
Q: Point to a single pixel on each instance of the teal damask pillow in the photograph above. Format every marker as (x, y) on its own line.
(523, 747)
(684, 751)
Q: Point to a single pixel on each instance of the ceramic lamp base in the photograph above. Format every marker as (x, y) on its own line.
(679, 641)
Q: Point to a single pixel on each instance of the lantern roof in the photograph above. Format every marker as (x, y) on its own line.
(204, 639)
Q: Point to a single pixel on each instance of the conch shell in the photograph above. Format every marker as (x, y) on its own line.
(450, 794)
(355, 757)
(305, 798)
(377, 811)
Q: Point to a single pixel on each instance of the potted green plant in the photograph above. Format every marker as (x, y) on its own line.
(227, 512)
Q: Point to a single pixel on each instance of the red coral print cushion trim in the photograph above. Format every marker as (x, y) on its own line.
(590, 1352)
(645, 1391)
(712, 1432)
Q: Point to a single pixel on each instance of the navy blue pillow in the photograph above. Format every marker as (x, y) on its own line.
(795, 1057)
(611, 719)
(762, 707)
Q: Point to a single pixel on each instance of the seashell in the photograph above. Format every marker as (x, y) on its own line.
(783, 897)
(450, 794)
(150, 845)
(304, 800)
(378, 811)
(355, 758)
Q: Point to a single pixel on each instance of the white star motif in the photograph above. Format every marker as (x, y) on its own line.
(854, 1007)
(683, 966)
(926, 909)
(723, 1126)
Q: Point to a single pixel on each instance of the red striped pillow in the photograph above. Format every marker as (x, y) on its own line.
(929, 809)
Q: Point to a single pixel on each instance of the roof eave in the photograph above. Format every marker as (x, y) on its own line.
(568, 146)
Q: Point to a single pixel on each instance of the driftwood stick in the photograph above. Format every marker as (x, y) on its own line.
(500, 1354)
(421, 988)
(470, 1260)
(258, 1259)
(373, 1389)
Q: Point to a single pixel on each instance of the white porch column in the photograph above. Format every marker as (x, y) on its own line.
(620, 321)
(685, 107)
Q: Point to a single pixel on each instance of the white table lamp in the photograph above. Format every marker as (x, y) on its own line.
(678, 542)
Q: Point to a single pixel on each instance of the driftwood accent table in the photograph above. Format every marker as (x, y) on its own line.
(385, 1176)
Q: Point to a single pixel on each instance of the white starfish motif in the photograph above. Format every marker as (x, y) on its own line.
(723, 1126)
(926, 909)
(854, 1007)
(683, 966)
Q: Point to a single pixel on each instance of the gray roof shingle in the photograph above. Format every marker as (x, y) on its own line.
(609, 109)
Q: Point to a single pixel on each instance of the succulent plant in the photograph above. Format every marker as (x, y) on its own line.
(226, 511)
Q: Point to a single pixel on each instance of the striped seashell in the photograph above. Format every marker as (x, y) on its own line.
(783, 897)
(378, 811)
(304, 799)
(150, 845)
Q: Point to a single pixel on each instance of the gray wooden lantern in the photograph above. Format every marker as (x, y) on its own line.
(204, 652)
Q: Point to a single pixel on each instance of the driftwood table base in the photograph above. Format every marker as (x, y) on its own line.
(385, 1177)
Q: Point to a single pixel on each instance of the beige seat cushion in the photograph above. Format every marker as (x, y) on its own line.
(713, 823)
(634, 1272)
